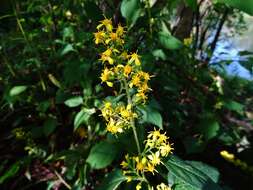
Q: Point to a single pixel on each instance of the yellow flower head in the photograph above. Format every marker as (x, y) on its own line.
(134, 57)
(155, 158)
(106, 56)
(138, 186)
(107, 75)
(107, 23)
(165, 149)
(127, 70)
(99, 37)
(120, 30)
(114, 127)
(162, 186)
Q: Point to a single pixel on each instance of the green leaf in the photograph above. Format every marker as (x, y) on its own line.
(159, 54)
(209, 126)
(197, 178)
(151, 115)
(74, 101)
(112, 181)
(131, 10)
(102, 155)
(234, 106)
(210, 171)
(16, 90)
(68, 48)
(83, 117)
(243, 5)
(211, 130)
(168, 41)
(49, 126)
(193, 4)
(10, 172)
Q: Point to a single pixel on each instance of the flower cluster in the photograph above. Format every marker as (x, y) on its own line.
(118, 117)
(124, 69)
(157, 146)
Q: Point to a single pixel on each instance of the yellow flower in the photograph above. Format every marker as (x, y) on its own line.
(144, 87)
(165, 149)
(142, 96)
(107, 75)
(99, 37)
(129, 178)
(107, 23)
(124, 55)
(135, 58)
(106, 56)
(155, 158)
(138, 186)
(154, 134)
(107, 110)
(114, 127)
(127, 70)
(150, 168)
(162, 186)
(226, 155)
(135, 81)
(114, 38)
(139, 164)
(120, 30)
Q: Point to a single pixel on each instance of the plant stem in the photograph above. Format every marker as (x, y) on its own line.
(62, 180)
(129, 101)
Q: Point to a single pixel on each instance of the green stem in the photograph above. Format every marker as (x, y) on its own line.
(129, 101)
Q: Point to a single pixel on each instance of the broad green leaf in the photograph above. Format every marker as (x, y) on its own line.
(188, 174)
(16, 90)
(210, 171)
(243, 5)
(234, 106)
(102, 155)
(131, 10)
(168, 41)
(49, 126)
(10, 172)
(83, 116)
(112, 181)
(209, 127)
(74, 101)
(151, 115)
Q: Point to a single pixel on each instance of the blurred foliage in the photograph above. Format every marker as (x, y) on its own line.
(52, 132)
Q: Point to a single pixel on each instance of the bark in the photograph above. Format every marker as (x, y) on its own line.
(184, 26)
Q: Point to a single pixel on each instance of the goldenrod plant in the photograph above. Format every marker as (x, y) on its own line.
(123, 72)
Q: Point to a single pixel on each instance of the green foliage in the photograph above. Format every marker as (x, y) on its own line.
(112, 181)
(83, 117)
(131, 10)
(246, 5)
(192, 174)
(102, 155)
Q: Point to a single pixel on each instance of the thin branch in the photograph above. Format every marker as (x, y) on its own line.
(218, 31)
(62, 180)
